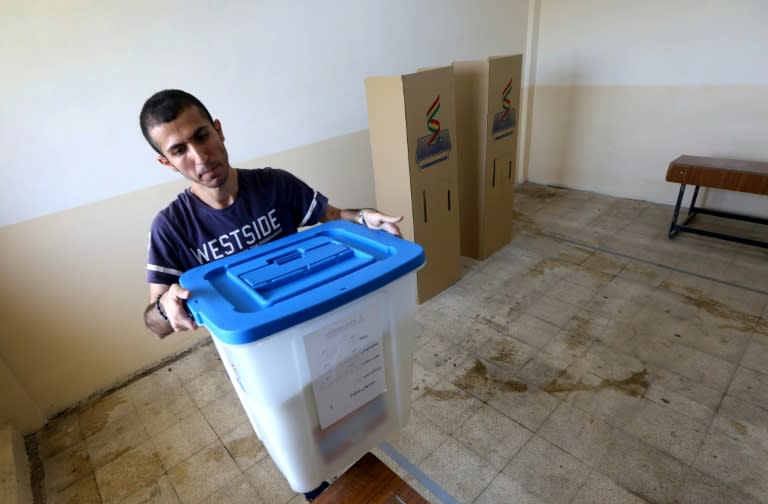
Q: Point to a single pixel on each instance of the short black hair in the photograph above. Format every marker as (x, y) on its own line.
(165, 106)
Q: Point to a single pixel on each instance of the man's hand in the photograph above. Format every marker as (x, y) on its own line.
(166, 312)
(172, 302)
(368, 217)
(373, 219)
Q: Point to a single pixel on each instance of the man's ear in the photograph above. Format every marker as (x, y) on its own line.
(164, 161)
(217, 127)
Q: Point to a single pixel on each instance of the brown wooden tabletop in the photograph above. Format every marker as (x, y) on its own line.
(720, 173)
(369, 481)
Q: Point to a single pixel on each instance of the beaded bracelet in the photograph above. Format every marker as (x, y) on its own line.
(160, 308)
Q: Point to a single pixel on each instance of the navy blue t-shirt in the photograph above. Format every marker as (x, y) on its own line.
(270, 204)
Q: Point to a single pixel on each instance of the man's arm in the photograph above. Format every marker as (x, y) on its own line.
(166, 312)
(369, 217)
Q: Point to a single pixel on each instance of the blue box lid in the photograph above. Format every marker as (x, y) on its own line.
(261, 291)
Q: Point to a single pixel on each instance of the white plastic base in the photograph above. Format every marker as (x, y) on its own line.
(274, 380)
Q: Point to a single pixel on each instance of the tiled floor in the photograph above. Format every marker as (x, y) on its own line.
(590, 361)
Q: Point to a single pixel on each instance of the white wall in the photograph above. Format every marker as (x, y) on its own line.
(623, 87)
(678, 42)
(278, 74)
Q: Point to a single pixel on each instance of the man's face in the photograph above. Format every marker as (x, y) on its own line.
(194, 147)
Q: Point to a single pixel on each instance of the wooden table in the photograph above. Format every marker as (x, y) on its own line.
(717, 173)
(369, 481)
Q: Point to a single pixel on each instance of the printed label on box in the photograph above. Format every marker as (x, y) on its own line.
(435, 147)
(504, 122)
(346, 364)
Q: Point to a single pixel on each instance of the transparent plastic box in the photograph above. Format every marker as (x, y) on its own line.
(316, 332)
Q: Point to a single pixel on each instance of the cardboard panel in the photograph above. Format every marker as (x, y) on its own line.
(412, 123)
(496, 205)
(471, 81)
(488, 102)
(432, 152)
(389, 149)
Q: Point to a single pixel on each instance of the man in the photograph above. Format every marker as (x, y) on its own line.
(226, 210)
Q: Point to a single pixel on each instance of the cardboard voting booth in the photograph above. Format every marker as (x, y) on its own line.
(412, 127)
(487, 111)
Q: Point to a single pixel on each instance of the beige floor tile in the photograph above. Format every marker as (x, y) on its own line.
(418, 439)
(760, 333)
(182, 440)
(721, 300)
(545, 368)
(225, 413)
(685, 396)
(493, 436)
(157, 492)
(532, 330)
(620, 300)
(237, 491)
(269, 482)
(458, 470)
(569, 345)
(589, 278)
(618, 401)
(83, 491)
(417, 487)
(129, 473)
(736, 462)
(699, 487)
(644, 273)
(500, 348)
(504, 488)
(529, 407)
(67, 467)
(165, 410)
(742, 421)
(148, 388)
(695, 328)
(244, 446)
(643, 470)
(606, 263)
(584, 435)
(666, 352)
(669, 431)
(601, 489)
(196, 363)
(58, 435)
(611, 363)
(756, 356)
(209, 386)
(553, 310)
(203, 473)
(572, 293)
(547, 472)
(447, 405)
(118, 437)
(588, 324)
(481, 378)
(751, 386)
(108, 409)
(499, 310)
(439, 355)
(423, 379)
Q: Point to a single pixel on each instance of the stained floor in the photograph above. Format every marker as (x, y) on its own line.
(592, 360)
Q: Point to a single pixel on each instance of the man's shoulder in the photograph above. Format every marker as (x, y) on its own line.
(266, 172)
(178, 207)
